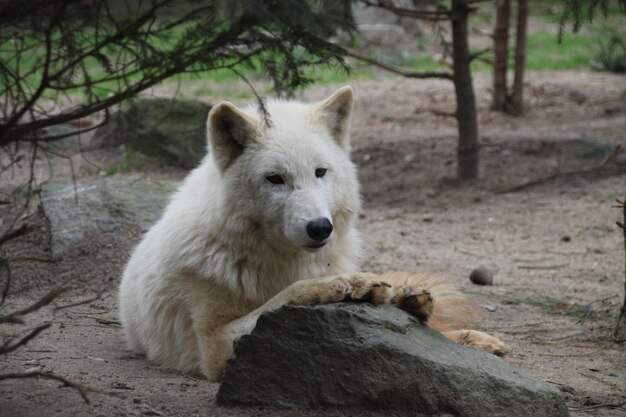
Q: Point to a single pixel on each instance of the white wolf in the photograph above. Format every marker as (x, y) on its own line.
(270, 210)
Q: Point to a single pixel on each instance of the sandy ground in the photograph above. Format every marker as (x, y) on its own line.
(557, 257)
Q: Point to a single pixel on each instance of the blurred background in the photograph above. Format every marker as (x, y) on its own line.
(487, 134)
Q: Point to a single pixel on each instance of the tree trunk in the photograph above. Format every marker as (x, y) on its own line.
(501, 54)
(468, 148)
(520, 56)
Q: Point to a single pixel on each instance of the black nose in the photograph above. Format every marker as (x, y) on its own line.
(319, 229)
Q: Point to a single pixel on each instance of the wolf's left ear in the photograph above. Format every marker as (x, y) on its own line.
(336, 112)
(229, 131)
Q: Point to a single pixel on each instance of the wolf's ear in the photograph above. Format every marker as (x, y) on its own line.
(336, 112)
(229, 131)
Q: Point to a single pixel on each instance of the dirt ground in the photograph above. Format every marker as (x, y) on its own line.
(554, 249)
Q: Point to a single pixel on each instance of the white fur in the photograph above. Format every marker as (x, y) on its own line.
(230, 240)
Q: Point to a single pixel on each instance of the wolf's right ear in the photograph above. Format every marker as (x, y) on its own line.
(335, 112)
(229, 131)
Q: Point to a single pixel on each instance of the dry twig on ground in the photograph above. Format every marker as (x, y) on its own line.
(12, 342)
(82, 390)
(614, 336)
(16, 316)
(617, 150)
(10, 345)
(10, 234)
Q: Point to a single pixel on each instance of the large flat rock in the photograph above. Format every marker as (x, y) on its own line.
(171, 130)
(102, 204)
(375, 357)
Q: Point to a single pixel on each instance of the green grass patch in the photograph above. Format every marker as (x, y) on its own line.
(425, 63)
(544, 52)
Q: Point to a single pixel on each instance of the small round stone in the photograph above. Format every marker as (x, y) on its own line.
(481, 276)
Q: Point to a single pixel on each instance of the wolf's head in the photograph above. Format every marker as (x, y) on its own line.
(292, 179)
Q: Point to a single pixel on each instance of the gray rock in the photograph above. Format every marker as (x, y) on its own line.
(173, 131)
(102, 204)
(356, 354)
(73, 140)
(372, 38)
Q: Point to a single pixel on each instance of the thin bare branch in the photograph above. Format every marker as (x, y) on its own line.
(80, 303)
(435, 15)
(31, 176)
(30, 258)
(16, 316)
(479, 54)
(264, 113)
(4, 265)
(618, 321)
(14, 234)
(44, 78)
(10, 347)
(610, 158)
(82, 390)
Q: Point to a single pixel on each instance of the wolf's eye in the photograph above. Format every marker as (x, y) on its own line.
(320, 172)
(275, 179)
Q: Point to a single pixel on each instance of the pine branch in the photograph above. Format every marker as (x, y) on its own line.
(407, 74)
(436, 15)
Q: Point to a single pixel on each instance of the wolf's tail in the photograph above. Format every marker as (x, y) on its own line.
(453, 310)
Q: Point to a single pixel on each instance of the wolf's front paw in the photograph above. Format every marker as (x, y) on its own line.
(358, 286)
(346, 287)
(417, 301)
(361, 286)
(369, 287)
